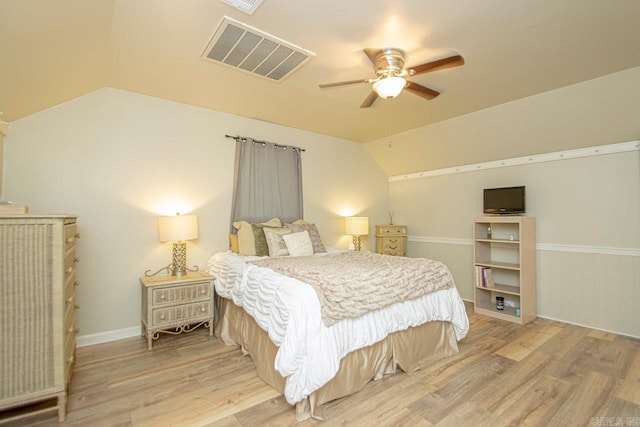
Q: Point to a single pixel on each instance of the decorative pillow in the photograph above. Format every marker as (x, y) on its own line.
(262, 249)
(314, 235)
(277, 246)
(246, 239)
(298, 244)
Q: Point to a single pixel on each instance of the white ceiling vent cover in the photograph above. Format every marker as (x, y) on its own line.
(247, 6)
(245, 48)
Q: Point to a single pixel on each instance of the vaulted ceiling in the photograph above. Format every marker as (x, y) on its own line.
(52, 51)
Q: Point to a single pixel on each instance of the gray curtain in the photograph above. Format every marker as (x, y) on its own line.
(268, 182)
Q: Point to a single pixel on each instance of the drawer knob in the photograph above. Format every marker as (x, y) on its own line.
(203, 291)
(70, 330)
(203, 310)
(77, 235)
(76, 283)
(70, 300)
(71, 239)
(163, 317)
(71, 359)
(69, 270)
(77, 306)
(163, 296)
(76, 260)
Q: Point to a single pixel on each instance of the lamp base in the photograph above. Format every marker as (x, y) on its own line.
(179, 265)
(356, 242)
(179, 259)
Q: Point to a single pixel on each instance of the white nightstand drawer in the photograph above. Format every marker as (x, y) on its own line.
(180, 313)
(181, 294)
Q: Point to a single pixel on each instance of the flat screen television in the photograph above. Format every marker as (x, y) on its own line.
(504, 201)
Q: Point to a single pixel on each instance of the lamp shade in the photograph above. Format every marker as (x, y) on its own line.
(177, 227)
(389, 87)
(356, 225)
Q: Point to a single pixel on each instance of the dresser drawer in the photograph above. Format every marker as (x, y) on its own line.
(394, 252)
(70, 261)
(393, 245)
(70, 236)
(70, 305)
(391, 230)
(181, 294)
(177, 314)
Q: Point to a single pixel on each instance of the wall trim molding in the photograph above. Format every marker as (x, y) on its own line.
(589, 326)
(599, 250)
(599, 150)
(551, 247)
(442, 240)
(102, 337)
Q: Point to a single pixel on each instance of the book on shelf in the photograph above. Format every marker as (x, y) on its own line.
(488, 278)
(479, 279)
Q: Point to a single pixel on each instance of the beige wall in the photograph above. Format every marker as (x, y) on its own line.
(119, 159)
(596, 112)
(1, 164)
(587, 209)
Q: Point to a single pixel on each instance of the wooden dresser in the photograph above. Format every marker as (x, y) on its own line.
(37, 310)
(391, 239)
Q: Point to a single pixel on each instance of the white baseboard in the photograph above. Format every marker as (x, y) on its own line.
(85, 340)
(588, 326)
(574, 323)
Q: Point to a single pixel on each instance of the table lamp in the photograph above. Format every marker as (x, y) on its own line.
(356, 226)
(177, 229)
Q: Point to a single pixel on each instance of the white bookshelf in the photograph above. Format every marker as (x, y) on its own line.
(510, 254)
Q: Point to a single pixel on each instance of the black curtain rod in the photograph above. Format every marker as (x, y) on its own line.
(242, 139)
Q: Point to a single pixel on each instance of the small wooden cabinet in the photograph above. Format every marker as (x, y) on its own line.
(176, 304)
(505, 249)
(37, 311)
(391, 239)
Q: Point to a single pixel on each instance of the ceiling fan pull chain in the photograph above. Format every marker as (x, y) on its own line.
(389, 121)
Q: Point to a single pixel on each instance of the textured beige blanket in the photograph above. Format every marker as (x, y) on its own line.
(350, 284)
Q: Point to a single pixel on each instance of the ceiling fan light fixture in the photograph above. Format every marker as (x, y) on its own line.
(389, 87)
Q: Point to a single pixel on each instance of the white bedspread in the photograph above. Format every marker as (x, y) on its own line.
(289, 311)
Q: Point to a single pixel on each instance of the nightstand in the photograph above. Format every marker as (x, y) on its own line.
(391, 239)
(176, 304)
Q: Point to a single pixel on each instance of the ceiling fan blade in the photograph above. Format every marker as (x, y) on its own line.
(368, 102)
(350, 82)
(440, 64)
(420, 90)
(372, 54)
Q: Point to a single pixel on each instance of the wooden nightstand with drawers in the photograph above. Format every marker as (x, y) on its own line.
(391, 239)
(176, 304)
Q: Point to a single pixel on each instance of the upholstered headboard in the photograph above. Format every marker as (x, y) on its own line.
(233, 243)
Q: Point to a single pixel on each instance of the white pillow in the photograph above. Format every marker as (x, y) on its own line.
(246, 239)
(298, 244)
(277, 246)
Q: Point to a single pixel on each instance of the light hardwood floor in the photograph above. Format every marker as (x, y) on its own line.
(545, 373)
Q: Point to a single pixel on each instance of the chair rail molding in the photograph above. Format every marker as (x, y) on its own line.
(599, 150)
(551, 247)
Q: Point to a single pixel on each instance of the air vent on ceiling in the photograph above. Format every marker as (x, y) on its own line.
(245, 48)
(247, 6)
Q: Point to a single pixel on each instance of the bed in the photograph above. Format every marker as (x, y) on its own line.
(275, 308)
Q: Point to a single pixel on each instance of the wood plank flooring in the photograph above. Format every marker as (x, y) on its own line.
(545, 373)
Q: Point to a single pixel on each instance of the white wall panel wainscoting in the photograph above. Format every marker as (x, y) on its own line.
(597, 287)
(586, 204)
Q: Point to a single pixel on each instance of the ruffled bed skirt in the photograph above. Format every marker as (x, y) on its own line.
(409, 350)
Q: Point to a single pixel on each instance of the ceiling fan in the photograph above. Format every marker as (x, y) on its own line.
(390, 79)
